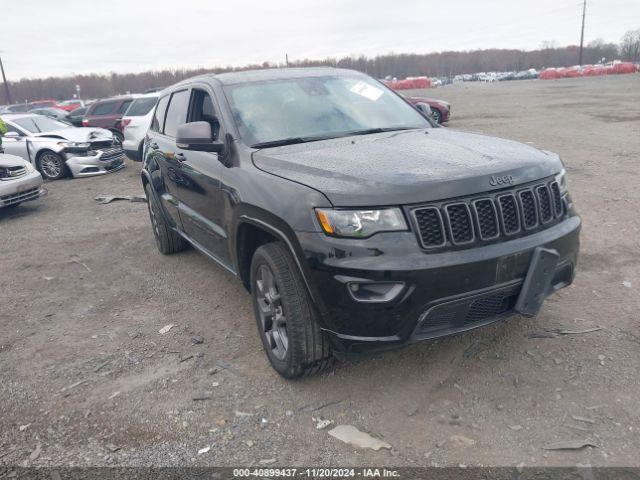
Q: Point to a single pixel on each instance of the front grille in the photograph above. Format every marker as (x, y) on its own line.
(9, 173)
(465, 312)
(430, 226)
(558, 208)
(101, 145)
(112, 154)
(491, 306)
(509, 214)
(529, 210)
(489, 217)
(19, 197)
(459, 220)
(544, 200)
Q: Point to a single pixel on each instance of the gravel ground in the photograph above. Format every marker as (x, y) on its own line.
(87, 380)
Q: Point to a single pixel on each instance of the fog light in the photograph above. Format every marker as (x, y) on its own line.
(375, 291)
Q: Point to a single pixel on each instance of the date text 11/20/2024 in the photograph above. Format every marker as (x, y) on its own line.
(316, 472)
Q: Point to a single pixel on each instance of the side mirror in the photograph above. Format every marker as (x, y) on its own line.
(424, 108)
(199, 137)
(14, 135)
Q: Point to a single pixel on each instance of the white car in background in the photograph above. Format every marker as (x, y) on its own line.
(19, 181)
(57, 149)
(135, 123)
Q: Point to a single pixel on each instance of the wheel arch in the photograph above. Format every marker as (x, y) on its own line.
(44, 150)
(115, 131)
(264, 232)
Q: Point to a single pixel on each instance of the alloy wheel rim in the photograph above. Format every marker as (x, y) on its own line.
(51, 165)
(271, 312)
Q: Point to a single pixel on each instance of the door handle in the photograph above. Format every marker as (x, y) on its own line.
(180, 157)
(153, 146)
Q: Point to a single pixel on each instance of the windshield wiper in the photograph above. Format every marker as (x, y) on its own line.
(279, 143)
(294, 140)
(378, 130)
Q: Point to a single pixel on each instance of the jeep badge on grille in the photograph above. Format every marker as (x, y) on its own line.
(502, 180)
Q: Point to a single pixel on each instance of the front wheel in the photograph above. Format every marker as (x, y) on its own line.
(51, 165)
(436, 115)
(285, 314)
(118, 136)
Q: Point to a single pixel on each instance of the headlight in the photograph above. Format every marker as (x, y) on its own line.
(75, 145)
(360, 223)
(28, 167)
(562, 181)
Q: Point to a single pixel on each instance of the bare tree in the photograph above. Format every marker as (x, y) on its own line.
(630, 46)
(398, 65)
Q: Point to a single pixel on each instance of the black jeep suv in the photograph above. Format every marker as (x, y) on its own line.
(354, 221)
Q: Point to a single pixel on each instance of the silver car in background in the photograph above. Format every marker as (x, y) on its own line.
(57, 149)
(19, 181)
(135, 123)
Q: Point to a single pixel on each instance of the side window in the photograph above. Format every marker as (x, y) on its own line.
(202, 110)
(177, 112)
(11, 128)
(103, 108)
(157, 124)
(124, 106)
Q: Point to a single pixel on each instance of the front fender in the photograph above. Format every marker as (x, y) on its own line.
(282, 231)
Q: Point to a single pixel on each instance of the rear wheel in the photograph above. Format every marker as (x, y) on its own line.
(167, 240)
(51, 165)
(285, 314)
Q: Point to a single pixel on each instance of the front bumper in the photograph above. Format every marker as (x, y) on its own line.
(446, 115)
(21, 189)
(100, 163)
(442, 293)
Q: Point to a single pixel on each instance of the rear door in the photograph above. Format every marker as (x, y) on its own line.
(200, 191)
(160, 151)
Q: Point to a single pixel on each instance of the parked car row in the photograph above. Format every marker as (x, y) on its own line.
(57, 149)
(497, 76)
(66, 105)
(127, 117)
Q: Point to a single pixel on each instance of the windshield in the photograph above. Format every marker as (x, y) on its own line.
(39, 124)
(312, 108)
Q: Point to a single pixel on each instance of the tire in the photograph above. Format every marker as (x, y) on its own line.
(118, 135)
(436, 115)
(51, 165)
(167, 240)
(294, 344)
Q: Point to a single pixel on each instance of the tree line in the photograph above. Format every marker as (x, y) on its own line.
(400, 65)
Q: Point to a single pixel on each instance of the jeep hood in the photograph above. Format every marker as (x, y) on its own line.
(76, 134)
(407, 166)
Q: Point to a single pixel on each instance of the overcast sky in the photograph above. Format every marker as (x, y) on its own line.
(41, 38)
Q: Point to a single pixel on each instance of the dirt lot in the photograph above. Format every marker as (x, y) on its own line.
(86, 377)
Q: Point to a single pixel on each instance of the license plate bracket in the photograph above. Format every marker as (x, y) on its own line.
(537, 282)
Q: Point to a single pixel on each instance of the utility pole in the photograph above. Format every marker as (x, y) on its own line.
(286, 59)
(6, 85)
(584, 9)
